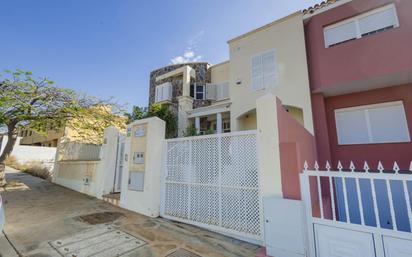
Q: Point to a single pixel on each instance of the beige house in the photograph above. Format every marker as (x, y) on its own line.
(49, 139)
(222, 98)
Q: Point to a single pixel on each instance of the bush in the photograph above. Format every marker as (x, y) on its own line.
(34, 168)
(11, 161)
(37, 169)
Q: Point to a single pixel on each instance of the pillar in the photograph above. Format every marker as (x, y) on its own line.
(219, 123)
(143, 167)
(197, 124)
(185, 104)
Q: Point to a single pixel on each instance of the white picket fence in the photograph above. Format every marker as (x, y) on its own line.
(212, 181)
(377, 202)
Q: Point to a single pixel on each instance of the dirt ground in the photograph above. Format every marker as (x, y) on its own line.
(39, 212)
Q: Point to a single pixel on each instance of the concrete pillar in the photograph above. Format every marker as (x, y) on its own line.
(143, 167)
(219, 125)
(197, 124)
(105, 171)
(185, 104)
(187, 74)
(268, 146)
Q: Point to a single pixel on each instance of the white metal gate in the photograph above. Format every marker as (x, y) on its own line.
(358, 213)
(212, 182)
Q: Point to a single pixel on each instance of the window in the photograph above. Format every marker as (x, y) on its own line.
(368, 23)
(226, 126)
(199, 92)
(377, 123)
(263, 71)
(163, 92)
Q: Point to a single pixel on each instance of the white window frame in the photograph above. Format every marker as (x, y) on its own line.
(252, 86)
(369, 130)
(357, 18)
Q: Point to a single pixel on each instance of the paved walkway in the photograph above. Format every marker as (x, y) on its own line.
(39, 212)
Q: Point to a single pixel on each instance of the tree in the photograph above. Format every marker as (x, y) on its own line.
(137, 113)
(156, 110)
(37, 104)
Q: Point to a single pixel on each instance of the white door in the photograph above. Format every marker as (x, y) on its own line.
(119, 164)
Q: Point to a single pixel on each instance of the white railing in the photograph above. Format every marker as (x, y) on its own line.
(73, 151)
(212, 181)
(376, 199)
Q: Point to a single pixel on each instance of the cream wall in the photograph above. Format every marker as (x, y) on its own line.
(286, 36)
(220, 72)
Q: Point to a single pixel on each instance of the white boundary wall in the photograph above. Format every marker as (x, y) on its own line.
(25, 153)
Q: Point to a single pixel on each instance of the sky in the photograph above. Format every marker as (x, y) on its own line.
(107, 48)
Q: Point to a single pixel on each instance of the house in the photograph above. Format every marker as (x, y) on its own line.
(222, 98)
(77, 129)
(49, 139)
(360, 69)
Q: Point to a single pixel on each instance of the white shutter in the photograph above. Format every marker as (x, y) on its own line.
(378, 123)
(340, 33)
(210, 91)
(269, 69)
(166, 91)
(379, 20)
(352, 127)
(158, 94)
(388, 124)
(256, 73)
(222, 91)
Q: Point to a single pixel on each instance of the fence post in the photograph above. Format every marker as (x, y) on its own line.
(306, 198)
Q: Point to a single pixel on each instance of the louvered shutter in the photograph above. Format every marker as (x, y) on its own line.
(211, 91)
(269, 70)
(256, 73)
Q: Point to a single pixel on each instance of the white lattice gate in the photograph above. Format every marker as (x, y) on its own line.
(358, 212)
(212, 182)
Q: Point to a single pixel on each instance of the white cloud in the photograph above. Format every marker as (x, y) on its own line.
(190, 53)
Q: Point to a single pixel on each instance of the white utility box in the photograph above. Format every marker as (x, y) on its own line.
(284, 227)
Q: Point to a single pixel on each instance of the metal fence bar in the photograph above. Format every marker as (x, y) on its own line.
(359, 194)
(408, 203)
(345, 199)
(332, 197)
(375, 203)
(393, 218)
(320, 197)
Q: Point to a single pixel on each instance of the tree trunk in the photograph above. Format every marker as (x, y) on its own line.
(12, 138)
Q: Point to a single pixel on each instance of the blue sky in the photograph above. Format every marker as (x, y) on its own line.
(108, 47)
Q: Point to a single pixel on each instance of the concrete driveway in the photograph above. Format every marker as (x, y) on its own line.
(40, 213)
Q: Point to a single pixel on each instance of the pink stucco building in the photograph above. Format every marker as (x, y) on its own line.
(360, 70)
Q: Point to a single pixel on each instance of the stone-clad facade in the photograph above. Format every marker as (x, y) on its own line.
(202, 77)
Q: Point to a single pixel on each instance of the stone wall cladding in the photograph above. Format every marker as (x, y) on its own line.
(202, 77)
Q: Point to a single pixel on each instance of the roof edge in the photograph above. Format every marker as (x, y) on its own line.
(264, 26)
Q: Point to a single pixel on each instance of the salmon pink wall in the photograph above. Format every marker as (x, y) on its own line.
(375, 55)
(387, 153)
(297, 145)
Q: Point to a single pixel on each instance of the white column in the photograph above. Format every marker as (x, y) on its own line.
(197, 124)
(218, 123)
